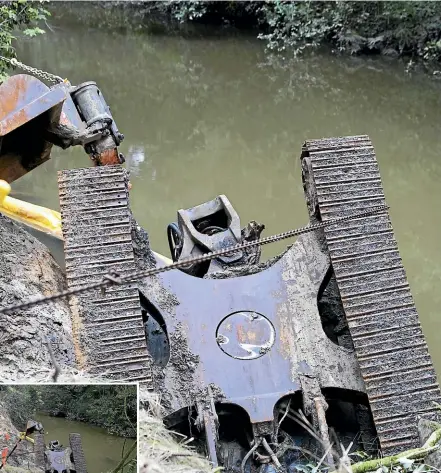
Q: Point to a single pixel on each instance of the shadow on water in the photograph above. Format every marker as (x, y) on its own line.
(101, 450)
(212, 115)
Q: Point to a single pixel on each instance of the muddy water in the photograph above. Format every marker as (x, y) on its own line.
(101, 450)
(206, 116)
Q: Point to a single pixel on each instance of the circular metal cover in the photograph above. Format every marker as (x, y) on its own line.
(245, 335)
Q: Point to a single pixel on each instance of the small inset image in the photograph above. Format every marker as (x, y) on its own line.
(62, 428)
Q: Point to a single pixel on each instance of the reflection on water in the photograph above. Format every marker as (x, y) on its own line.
(101, 450)
(203, 117)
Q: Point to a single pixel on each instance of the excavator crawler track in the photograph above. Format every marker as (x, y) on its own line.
(394, 359)
(79, 460)
(39, 448)
(97, 224)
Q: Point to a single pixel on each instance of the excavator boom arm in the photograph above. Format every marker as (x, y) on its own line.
(34, 117)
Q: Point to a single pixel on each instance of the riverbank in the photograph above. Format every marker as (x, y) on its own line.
(112, 407)
(29, 270)
(406, 30)
(9, 433)
(105, 418)
(160, 450)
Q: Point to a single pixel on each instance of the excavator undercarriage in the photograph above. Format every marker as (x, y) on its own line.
(248, 356)
(54, 457)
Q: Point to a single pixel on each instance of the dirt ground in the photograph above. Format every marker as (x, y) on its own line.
(29, 270)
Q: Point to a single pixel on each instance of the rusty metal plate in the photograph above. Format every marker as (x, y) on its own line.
(245, 335)
(27, 108)
(390, 346)
(251, 339)
(23, 98)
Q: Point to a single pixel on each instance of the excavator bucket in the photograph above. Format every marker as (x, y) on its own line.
(27, 109)
(33, 426)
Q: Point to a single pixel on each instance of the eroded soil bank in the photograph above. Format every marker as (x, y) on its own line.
(29, 270)
(22, 460)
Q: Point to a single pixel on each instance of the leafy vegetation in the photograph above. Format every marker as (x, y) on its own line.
(410, 29)
(18, 19)
(391, 28)
(113, 407)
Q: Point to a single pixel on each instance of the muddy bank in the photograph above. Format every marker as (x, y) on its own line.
(29, 270)
(22, 460)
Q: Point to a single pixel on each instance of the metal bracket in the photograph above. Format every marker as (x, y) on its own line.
(207, 227)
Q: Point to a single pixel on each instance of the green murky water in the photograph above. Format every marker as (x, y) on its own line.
(101, 450)
(206, 116)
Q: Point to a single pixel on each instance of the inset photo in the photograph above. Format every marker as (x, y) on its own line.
(61, 428)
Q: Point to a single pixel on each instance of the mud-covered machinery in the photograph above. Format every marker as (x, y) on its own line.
(248, 355)
(329, 327)
(208, 227)
(53, 458)
(56, 458)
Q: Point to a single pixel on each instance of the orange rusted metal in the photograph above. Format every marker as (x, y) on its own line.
(27, 108)
(23, 98)
(34, 117)
(108, 157)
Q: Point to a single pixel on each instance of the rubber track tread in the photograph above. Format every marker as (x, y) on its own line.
(39, 448)
(98, 241)
(394, 360)
(79, 459)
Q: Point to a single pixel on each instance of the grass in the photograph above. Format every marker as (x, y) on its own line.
(160, 452)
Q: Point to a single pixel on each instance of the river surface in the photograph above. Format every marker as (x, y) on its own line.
(210, 115)
(101, 450)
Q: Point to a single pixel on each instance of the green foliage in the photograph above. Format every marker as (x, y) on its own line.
(18, 18)
(391, 28)
(402, 465)
(19, 403)
(296, 25)
(113, 407)
(186, 11)
(109, 406)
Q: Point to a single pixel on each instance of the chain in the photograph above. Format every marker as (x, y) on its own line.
(114, 278)
(37, 72)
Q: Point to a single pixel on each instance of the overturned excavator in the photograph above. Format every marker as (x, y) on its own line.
(54, 457)
(260, 362)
